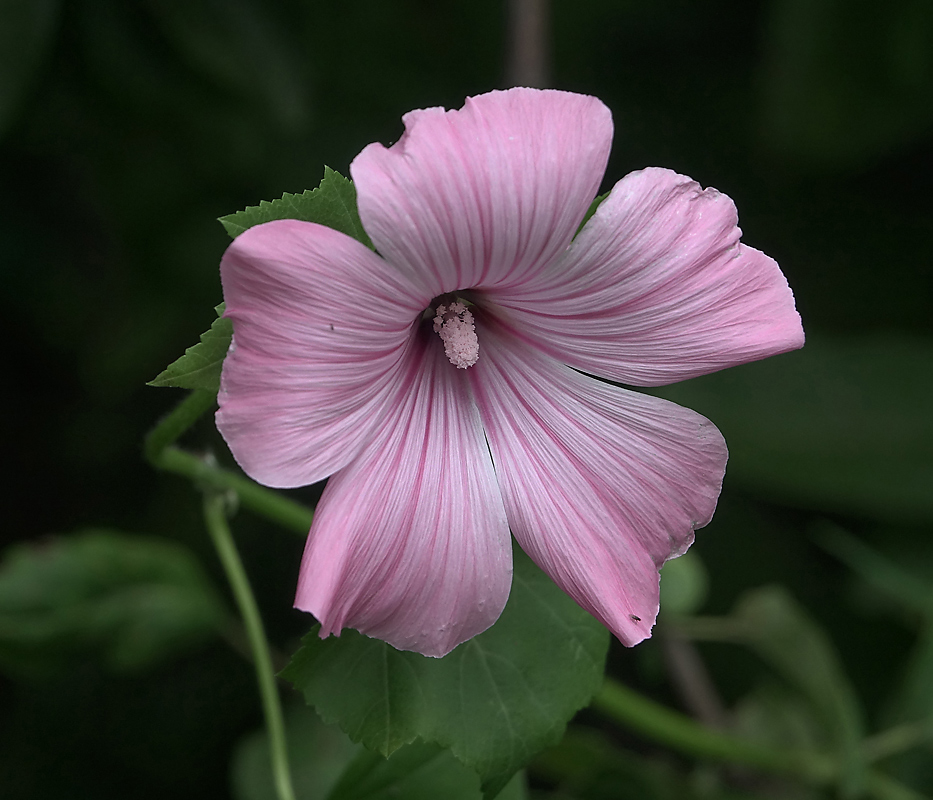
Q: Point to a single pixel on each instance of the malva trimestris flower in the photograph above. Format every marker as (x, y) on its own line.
(444, 382)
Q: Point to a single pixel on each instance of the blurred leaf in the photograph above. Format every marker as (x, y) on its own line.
(131, 599)
(909, 589)
(27, 30)
(914, 698)
(782, 633)
(317, 753)
(912, 701)
(200, 366)
(332, 204)
(774, 715)
(494, 701)
(416, 771)
(845, 81)
(911, 697)
(587, 765)
(842, 425)
(684, 584)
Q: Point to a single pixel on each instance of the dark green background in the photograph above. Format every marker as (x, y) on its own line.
(128, 128)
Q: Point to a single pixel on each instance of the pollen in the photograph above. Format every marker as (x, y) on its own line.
(454, 324)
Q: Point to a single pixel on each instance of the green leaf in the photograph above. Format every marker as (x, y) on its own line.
(913, 695)
(325, 763)
(332, 204)
(131, 600)
(779, 717)
(912, 702)
(899, 582)
(200, 366)
(590, 211)
(317, 753)
(417, 771)
(843, 425)
(494, 701)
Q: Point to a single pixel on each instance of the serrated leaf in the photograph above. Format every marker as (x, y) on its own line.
(201, 365)
(417, 771)
(130, 600)
(333, 204)
(494, 701)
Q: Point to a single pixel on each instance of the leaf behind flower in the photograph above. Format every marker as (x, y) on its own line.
(495, 701)
(200, 366)
(333, 204)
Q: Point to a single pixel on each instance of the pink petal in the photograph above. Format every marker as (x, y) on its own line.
(486, 193)
(657, 288)
(321, 325)
(410, 542)
(601, 485)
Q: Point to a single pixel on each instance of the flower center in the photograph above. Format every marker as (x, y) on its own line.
(454, 324)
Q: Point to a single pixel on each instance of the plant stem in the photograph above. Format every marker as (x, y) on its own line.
(897, 740)
(176, 422)
(681, 733)
(161, 453)
(226, 549)
(267, 502)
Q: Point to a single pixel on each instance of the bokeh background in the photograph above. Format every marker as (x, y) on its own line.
(128, 128)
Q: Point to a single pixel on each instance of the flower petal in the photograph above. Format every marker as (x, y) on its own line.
(410, 542)
(601, 485)
(320, 327)
(657, 288)
(486, 193)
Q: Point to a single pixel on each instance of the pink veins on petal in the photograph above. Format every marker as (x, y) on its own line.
(448, 385)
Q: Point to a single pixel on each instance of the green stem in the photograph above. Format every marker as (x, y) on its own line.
(897, 740)
(242, 592)
(674, 730)
(270, 504)
(161, 453)
(681, 733)
(176, 422)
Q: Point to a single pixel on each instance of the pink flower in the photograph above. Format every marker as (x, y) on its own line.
(440, 384)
